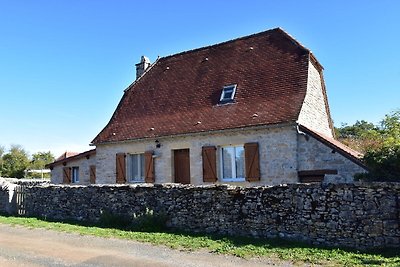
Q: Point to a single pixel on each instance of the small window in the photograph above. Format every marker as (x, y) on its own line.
(136, 168)
(232, 163)
(228, 94)
(75, 174)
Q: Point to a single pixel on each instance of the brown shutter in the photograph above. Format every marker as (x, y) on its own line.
(209, 163)
(149, 167)
(66, 175)
(252, 162)
(120, 168)
(92, 174)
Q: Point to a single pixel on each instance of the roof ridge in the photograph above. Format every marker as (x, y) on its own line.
(294, 40)
(288, 36)
(237, 39)
(57, 161)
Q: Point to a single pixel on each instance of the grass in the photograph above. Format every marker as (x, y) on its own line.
(241, 247)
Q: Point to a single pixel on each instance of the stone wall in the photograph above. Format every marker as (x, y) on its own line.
(313, 113)
(8, 200)
(314, 155)
(3, 199)
(361, 215)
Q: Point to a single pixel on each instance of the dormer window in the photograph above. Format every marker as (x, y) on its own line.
(228, 94)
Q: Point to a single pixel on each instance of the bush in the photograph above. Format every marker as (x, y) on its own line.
(384, 164)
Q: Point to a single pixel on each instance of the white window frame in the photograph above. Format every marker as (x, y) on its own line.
(131, 178)
(224, 99)
(221, 165)
(75, 174)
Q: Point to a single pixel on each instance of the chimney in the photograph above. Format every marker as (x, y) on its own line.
(142, 66)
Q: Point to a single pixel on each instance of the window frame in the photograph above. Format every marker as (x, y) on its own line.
(233, 164)
(224, 99)
(141, 165)
(75, 174)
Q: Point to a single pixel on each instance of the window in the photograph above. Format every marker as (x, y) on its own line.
(136, 167)
(75, 174)
(232, 163)
(228, 94)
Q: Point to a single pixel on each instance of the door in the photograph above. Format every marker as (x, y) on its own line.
(182, 166)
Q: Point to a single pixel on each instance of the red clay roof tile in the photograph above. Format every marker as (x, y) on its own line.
(71, 156)
(270, 69)
(67, 154)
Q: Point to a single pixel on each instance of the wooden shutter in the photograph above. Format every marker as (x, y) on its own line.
(120, 168)
(92, 174)
(209, 154)
(149, 167)
(252, 162)
(67, 175)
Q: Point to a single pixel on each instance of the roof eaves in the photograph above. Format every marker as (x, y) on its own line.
(78, 156)
(252, 127)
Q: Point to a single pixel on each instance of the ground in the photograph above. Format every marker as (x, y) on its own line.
(21, 246)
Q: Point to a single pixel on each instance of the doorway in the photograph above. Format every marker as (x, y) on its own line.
(182, 166)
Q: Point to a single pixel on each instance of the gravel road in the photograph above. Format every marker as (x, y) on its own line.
(21, 246)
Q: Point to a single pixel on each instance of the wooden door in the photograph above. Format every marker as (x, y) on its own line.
(92, 175)
(182, 166)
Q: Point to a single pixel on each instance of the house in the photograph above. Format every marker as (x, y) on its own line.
(75, 168)
(250, 111)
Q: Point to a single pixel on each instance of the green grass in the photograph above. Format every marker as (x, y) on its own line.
(241, 247)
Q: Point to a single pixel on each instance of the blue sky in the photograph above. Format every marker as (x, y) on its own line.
(64, 64)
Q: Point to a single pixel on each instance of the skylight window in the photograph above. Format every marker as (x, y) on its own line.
(228, 94)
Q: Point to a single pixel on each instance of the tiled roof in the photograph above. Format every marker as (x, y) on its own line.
(67, 154)
(337, 146)
(180, 94)
(76, 156)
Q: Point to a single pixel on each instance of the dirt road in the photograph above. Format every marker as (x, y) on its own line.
(37, 247)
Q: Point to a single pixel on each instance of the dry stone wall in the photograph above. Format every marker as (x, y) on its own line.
(8, 193)
(357, 215)
(3, 200)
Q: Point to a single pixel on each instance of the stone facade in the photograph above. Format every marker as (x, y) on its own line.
(314, 155)
(314, 111)
(361, 215)
(84, 169)
(282, 155)
(277, 149)
(282, 151)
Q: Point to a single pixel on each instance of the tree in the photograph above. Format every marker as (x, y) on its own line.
(384, 159)
(15, 162)
(380, 145)
(361, 136)
(357, 130)
(39, 160)
(1, 160)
